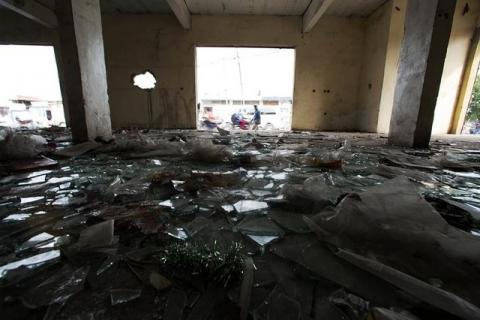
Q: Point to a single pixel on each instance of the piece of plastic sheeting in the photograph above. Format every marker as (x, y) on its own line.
(393, 223)
(432, 295)
(58, 288)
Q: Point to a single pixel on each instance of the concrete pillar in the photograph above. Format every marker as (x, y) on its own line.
(422, 56)
(61, 79)
(83, 67)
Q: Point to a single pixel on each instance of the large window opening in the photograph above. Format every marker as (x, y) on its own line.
(472, 116)
(30, 94)
(231, 81)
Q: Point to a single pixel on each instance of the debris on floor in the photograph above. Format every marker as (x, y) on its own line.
(184, 224)
(16, 146)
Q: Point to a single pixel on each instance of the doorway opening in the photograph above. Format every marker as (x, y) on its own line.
(30, 95)
(231, 81)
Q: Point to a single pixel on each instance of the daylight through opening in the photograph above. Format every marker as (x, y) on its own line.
(145, 81)
(30, 95)
(231, 81)
(472, 117)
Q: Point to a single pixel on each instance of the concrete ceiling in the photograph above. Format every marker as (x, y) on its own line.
(47, 3)
(135, 6)
(344, 8)
(256, 7)
(356, 8)
(125, 6)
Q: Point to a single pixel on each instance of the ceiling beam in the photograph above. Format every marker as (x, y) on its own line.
(32, 10)
(315, 11)
(179, 7)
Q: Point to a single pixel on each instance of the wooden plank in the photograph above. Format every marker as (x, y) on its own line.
(32, 10)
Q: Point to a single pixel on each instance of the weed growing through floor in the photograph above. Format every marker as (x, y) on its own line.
(221, 266)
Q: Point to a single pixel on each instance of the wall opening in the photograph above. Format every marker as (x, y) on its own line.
(144, 80)
(230, 81)
(471, 124)
(30, 95)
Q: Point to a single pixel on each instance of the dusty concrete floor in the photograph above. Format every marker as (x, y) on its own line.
(168, 225)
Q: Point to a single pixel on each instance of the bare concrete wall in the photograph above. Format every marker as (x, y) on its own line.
(395, 37)
(16, 29)
(327, 71)
(373, 68)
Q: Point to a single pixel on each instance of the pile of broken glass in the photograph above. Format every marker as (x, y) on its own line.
(185, 224)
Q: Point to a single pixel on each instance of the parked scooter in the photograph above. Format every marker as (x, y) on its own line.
(239, 122)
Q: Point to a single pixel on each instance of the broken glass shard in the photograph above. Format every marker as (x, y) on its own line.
(174, 203)
(279, 176)
(35, 180)
(269, 186)
(71, 200)
(118, 296)
(197, 225)
(31, 262)
(56, 180)
(262, 240)
(98, 235)
(17, 217)
(30, 199)
(244, 206)
(40, 239)
(228, 208)
(109, 262)
(178, 233)
(472, 175)
(261, 193)
(58, 288)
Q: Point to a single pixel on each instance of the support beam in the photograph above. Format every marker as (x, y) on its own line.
(83, 67)
(427, 33)
(179, 7)
(315, 11)
(32, 10)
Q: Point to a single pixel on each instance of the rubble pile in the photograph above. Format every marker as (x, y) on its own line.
(193, 225)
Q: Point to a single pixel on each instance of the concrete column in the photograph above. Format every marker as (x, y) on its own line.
(61, 78)
(83, 67)
(422, 56)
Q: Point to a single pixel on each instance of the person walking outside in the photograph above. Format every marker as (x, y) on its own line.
(256, 120)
